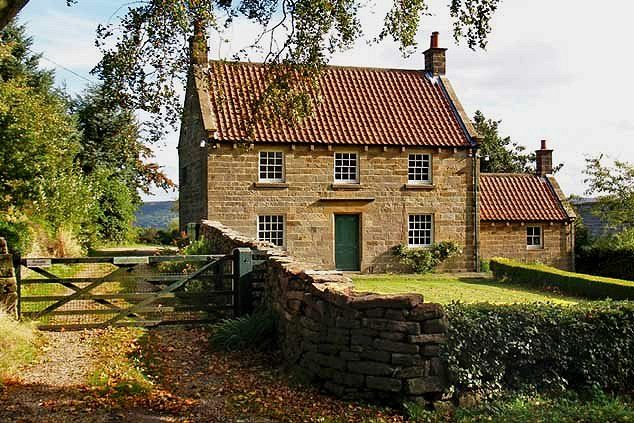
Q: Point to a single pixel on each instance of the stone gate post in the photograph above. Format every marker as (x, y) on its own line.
(8, 286)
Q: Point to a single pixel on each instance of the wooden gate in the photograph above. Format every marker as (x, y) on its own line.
(92, 292)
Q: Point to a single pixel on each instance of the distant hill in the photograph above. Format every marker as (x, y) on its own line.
(155, 214)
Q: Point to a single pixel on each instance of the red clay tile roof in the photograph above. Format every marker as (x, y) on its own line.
(359, 106)
(518, 197)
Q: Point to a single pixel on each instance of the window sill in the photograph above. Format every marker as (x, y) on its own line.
(539, 248)
(270, 185)
(346, 187)
(419, 187)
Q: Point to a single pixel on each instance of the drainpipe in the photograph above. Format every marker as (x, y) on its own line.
(475, 170)
(573, 258)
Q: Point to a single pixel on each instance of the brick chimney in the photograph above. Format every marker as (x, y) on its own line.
(435, 56)
(544, 160)
(198, 45)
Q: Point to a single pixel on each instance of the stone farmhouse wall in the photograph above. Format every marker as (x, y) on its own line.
(364, 346)
(191, 160)
(509, 241)
(308, 200)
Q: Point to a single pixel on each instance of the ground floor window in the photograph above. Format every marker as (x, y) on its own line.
(534, 237)
(420, 229)
(271, 229)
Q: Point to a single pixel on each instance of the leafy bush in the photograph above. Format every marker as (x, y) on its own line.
(426, 259)
(15, 229)
(607, 261)
(577, 284)
(255, 331)
(540, 346)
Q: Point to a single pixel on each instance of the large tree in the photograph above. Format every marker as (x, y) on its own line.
(500, 154)
(114, 159)
(615, 187)
(145, 53)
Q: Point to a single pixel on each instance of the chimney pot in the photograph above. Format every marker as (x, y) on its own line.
(543, 144)
(434, 40)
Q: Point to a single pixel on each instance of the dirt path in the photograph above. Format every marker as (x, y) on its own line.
(66, 360)
(190, 383)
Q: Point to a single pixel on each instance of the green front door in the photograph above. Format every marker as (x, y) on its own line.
(347, 241)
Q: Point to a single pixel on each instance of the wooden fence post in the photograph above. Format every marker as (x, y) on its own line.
(242, 268)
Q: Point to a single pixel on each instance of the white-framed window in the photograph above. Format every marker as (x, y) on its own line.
(271, 229)
(534, 237)
(346, 168)
(271, 167)
(420, 230)
(419, 169)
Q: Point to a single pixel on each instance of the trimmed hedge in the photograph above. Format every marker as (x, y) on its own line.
(610, 262)
(541, 346)
(576, 284)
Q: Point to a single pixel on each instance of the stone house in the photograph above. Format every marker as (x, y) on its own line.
(526, 216)
(388, 157)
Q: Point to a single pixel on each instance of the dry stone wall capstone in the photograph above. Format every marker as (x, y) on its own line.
(355, 345)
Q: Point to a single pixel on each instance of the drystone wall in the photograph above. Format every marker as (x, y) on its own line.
(368, 346)
(8, 287)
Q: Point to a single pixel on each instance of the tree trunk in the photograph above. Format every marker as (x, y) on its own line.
(8, 10)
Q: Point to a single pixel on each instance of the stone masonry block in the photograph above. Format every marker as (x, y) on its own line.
(383, 383)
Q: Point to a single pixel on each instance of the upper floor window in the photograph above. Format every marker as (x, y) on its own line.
(271, 229)
(346, 168)
(420, 230)
(534, 237)
(419, 169)
(271, 166)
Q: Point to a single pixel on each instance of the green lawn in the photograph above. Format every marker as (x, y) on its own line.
(445, 288)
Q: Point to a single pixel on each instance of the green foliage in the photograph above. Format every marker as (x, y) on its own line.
(504, 155)
(568, 408)
(485, 266)
(20, 62)
(111, 141)
(605, 260)
(615, 185)
(541, 346)
(256, 331)
(426, 259)
(299, 36)
(37, 139)
(576, 284)
(15, 229)
(116, 204)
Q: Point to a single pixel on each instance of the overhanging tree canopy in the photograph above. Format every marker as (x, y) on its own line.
(145, 53)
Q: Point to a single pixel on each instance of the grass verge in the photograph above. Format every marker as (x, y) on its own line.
(19, 344)
(445, 288)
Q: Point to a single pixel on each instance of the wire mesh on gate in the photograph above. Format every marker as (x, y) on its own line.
(68, 293)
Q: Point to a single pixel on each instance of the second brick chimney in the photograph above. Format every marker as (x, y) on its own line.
(435, 57)
(544, 160)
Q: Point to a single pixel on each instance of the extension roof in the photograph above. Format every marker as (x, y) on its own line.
(521, 197)
(361, 106)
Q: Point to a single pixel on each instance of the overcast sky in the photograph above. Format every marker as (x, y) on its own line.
(556, 70)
